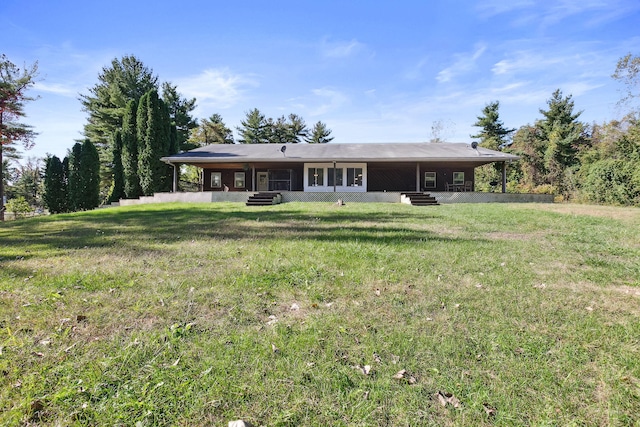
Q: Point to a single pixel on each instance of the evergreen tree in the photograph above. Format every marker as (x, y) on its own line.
(210, 131)
(154, 133)
(89, 175)
(253, 129)
(117, 188)
(55, 186)
(179, 112)
(493, 134)
(130, 152)
(320, 134)
(74, 183)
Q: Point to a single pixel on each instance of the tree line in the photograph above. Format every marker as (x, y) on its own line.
(561, 155)
(134, 120)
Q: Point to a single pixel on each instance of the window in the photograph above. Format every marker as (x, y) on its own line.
(216, 179)
(338, 175)
(354, 177)
(316, 177)
(429, 180)
(458, 178)
(238, 180)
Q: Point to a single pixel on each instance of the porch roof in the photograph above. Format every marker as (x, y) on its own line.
(322, 153)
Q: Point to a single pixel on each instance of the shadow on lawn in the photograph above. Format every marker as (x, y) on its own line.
(141, 229)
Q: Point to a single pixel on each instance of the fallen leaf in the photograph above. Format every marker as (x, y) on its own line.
(275, 349)
(377, 358)
(37, 354)
(448, 399)
(240, 423)
(272, 320)
(294, 307)
(490, 410)
(80, 318)
(400, 374)
(377, 292)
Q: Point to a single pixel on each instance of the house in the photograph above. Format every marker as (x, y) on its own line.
(345, 168)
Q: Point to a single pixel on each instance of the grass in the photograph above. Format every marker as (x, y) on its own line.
(200, 314)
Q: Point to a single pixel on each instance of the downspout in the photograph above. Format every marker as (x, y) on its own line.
(504, 177)
(334, 176)
(175, 176)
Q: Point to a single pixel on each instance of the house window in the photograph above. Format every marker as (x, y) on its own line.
(458, 178)
(429, 180)
(216, 179)
(354, 177)
(238, 180)
(316, 177)
(338, 175)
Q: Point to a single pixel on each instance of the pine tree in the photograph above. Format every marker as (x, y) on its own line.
(253, 129)
(320, 134)
(493, 134)
(89, 176)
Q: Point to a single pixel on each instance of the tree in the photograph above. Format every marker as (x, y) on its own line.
(19, 207)
(179, 112)
(89, 176)
(28, 181)
(493, 134)
(117, 187)
(55, 186)
(320, 134)
(83, 178)
(74, 183)
(253, 129)
(14, 83)
(154, 133)
(628, 73)
(210, 131)
(124, 80)
(129, 154)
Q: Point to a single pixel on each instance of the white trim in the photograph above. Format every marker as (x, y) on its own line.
(340, 188)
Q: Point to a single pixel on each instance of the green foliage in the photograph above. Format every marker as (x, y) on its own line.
(19, 207)
(210, 131)
(14, 83)
(257, 129)
(628, 73)
(154, 134)
(253, 128)
(493, 135)
(117, 187)
(83, 179)
(613, 181)
(130, 151)
(320, 134)
(180, 113)
(55, 186)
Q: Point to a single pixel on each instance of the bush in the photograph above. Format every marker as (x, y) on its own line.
(613, 181)
(19, 207)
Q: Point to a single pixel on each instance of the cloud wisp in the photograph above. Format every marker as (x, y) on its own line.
(463, 64)
(219, 87)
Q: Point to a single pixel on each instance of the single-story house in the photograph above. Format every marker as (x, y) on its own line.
(332, 167)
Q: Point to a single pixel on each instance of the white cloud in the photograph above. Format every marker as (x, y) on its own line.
(463, 64)
(219, 87)
(330, 100)
(341, 49)
(57, 89)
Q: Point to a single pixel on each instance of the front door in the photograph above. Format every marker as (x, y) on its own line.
(263, 181)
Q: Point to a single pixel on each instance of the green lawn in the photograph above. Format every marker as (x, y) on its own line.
(306, 314)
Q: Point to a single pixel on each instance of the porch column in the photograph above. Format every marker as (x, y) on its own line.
(175, 177)
(504, 177)
(253, 177)
(417, 177)
(334, 176)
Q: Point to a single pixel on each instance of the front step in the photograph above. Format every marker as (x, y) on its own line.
(264, 199)
(419, 199)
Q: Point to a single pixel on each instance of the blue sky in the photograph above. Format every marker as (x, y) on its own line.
(374, 71)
